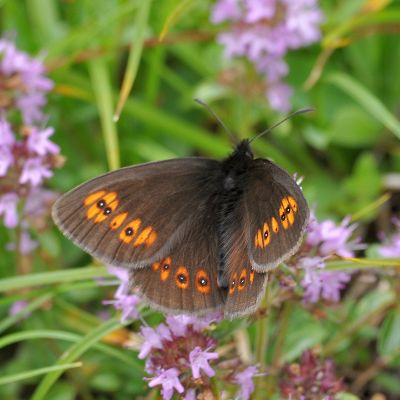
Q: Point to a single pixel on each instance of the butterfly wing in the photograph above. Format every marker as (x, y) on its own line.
(246, 287)
(185, 281)
(276, 215)
(135, 216)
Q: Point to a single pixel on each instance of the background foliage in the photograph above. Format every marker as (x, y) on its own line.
(348, 151)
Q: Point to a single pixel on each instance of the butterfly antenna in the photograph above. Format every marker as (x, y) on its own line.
(301, 111)
(215, 115)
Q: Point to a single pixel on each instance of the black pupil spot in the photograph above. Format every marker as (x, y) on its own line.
(283, 217)
(266, 235)
(107, 211)
(166, 266)
(203, 281)
(129, 231)
(287, 210)
(233, 284)
(242, 281)
(101, 204)
(182, 278)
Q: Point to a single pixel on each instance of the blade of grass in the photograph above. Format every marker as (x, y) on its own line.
(69, 337)
(47, 278)
(103, 93)
(71, 354)
(134, 55)
(182, 8)
(32, 306)
(367, 100)
(177, 128)
(35, 372)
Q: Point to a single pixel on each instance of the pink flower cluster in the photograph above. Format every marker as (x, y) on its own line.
(326, 239)
(180, 356)
(27, 154)
(263, 31)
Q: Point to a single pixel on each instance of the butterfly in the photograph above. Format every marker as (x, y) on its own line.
(196, 234)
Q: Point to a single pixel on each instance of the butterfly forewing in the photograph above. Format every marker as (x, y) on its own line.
(276, 215)
(134, 216)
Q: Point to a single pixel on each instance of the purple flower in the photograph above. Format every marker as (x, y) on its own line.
(169, 380)
(17, 307)
(124, 301)
(8, 208)
(34, 171)
(278, 94)
(7, 137)
(226, 10)
(29, 94)
(199, 361)
(332, 239)
(263, 31)
(245, 380)
(259, 9)
(153, 338)
(39, 143)
(391, 246)
(319, 283)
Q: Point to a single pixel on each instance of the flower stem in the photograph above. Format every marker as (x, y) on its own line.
(262, 341)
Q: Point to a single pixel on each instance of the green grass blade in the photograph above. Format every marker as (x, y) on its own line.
(125, 357)
(32, 306)
(177, 128)
(134, 55)
(367, 100)
(39, 371)
(49, 278)
(103, 93)
(70, 355)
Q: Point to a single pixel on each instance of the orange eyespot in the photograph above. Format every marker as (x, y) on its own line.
(202, 281)
(118, 221)
(130, 230)
(242, 280)
(251, 275)
(155, 266)
(151, 239)
(266, 235)
(293, 204)
(110, 197)
(288, 210)
(283, 217)
(145, 237)
(106, 211)
(93, 197)
(274, 224)
(182, 278)
(166, 266)
(92, 211)
(233, 283)
(258, 240)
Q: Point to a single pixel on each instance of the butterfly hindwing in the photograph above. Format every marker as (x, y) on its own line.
(276, 215)
(185, 281)
(246, 286)
(134, 216)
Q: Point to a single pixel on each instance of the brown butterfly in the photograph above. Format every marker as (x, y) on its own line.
(196, 234)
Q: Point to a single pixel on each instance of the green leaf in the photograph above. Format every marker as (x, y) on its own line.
(49, 278)
(346, 396)
(367, 100)
(104, 99)
(71, 354)
(389, 334)
(39, 371)
(353, 127)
